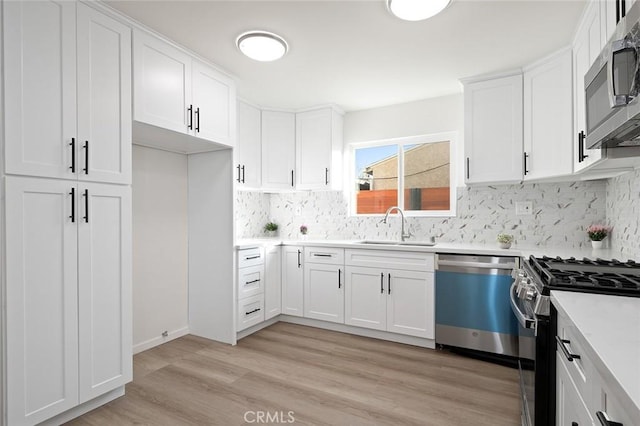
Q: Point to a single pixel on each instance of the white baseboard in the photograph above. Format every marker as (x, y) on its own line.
(151, 343)
(244, 333)
(84, 408)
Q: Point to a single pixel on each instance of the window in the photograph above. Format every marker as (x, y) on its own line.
(416, 173)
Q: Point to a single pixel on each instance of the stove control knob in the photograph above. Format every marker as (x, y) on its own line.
(531, 293)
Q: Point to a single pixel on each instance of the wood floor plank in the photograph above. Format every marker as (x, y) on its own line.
(322, 377)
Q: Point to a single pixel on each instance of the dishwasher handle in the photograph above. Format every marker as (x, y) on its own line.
(477, 265)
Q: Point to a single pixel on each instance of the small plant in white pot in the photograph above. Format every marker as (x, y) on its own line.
(597, 234)
(271, 229)
(505, 240)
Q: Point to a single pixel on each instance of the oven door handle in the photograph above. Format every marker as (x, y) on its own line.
(524, 320)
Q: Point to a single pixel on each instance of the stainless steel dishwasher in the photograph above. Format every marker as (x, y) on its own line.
(473, 307)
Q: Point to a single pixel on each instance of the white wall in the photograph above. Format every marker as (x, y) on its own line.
(428, 116)
(160, 246)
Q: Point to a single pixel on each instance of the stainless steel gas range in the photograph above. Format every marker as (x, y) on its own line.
(536, 315)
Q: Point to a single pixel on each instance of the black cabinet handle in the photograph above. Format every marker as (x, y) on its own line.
(86, 206)
(292, 183)
(326, 176)
(581, 154)
(389, 285)
(321, 255)
(252, 312)
(574, 424)
(562, 343)
(238, 178)
(198, 119)
(252, 257)
(339, 278)
(526, 156)
(468, 168)
(252, 282)
(299, 253)
(604, 419)
(190, 110)
(242, 174)
(617, 11)
(86, 157)
(73, 155)
(73, 205)
(381, 283)
(623, 8)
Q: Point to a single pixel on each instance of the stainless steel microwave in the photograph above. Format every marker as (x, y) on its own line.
(612, 88)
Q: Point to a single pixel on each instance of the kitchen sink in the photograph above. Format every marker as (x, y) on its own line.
(399, 243)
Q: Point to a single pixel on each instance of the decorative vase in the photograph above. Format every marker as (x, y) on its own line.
(505, 245)
(272, 234)
(596, 245)
(303, 236)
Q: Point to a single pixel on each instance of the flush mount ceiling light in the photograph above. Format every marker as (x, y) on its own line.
(262, 45)
(416, 10)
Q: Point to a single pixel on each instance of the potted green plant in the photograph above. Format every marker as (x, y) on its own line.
(505, 240)
(271, 229)
(597, 233)
(303, 231)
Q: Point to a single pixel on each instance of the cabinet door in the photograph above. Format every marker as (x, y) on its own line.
(292, 279)
(249, 167)
(214, 103)
(493, 130)
(410, 304)
(365, 297)
(612, 403)
(313, 149)
(570, 408)
(272, 287)
(104, 98)
(161, 84)
(548, 119)
(608, 18)
(40, 87)
(278, 150)
(585, 50)
(104, 291)
(324, 292)
(41, 299)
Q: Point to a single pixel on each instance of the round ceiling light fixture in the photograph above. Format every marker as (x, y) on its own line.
(416, 10)
(262, 45)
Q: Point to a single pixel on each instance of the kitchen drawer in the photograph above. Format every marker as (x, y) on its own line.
(250, 257)
(580, 369)
(330, 255)
(250, 281)
(408, 261)
(250, 311)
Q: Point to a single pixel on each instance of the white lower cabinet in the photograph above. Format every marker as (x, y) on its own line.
(292, 279)
(390, 297)
(273, 279)
(570, 408)
(68, 295)
(251, 279)
(250, 311)
(324, 285)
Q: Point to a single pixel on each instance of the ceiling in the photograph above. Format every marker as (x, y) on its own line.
(353, 53)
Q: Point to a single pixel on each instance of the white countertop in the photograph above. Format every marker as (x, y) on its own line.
(611, 328)
(443, 247)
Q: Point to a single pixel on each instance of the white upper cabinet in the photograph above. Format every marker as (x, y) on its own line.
(248, 149)
(70, 99)
(586, 48)
(40, 87)
(174, 91)
(278, 150)
(493, 129)
(104, 98)
(318, 149)
(548, 117)
(162, 84)
(214, 103)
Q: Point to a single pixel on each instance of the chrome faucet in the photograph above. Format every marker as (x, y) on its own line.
(403, 235)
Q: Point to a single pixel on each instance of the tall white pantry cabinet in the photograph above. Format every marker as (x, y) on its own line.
(66, 213)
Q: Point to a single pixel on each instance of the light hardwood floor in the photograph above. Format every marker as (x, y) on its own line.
(322, 377)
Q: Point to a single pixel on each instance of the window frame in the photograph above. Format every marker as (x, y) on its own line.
(452, 137)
